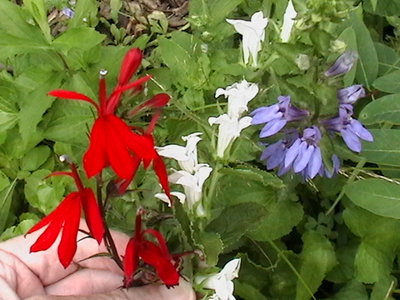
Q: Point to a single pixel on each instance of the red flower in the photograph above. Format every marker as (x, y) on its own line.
(157, 102)
(112, 142)
(66, 217)
(151, 253)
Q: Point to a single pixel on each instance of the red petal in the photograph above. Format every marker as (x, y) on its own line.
(152, 255)
(161, 171)
(122, 184)
(48, 237)
(130, 64)
(130, 262)
(93, 215)
(67, 247)
(72, 95)
(160, 239)
(95, 158)
(118, 133)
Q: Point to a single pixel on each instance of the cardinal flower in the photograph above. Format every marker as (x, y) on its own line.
(65, 219)
(112, 142)
(157, 102)
(155, 254)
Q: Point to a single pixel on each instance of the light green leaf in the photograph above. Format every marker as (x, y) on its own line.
(384, 109)
(212, 245)
(376, 195)
(6, 196)
(8, 114)
(389, 83)
(220, 9)
(35, 158)
(83, 38)
(38, 11)
(248, 292)
(385, 147)
(317, 259)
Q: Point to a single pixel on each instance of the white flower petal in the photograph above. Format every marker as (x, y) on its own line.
(163, 197)
(173, 151)
(288, 22)
(253, 33)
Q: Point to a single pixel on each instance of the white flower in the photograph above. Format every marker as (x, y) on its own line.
(239, 94)
(288, 22)
(192, 183)
(253, 33)
(229, 129)
(222, 282)
(186, 156)
(163, 197)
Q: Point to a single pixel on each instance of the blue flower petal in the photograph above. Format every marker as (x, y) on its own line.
(315, 163)
(265, 114)
(272, 127)
(303, 158)
(292, 153)
(360, 130)
(351, 140)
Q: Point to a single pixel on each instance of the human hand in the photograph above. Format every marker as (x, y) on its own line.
(40, 276)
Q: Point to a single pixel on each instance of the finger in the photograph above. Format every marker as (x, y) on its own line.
(86, 281)
(150, 292)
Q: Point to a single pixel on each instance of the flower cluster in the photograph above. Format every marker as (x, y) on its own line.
(300, 151)
(231, 124)
(192, 174)
(116, 144)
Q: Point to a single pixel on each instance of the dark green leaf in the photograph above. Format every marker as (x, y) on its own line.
(384, 109)
(385, 147)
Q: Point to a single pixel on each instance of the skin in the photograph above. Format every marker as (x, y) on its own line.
(40, 276)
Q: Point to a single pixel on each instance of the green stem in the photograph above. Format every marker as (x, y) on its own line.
(213, 185)
(287, 261)
(353, 176)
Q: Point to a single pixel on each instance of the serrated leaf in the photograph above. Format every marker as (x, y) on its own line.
(379, 242)
(212, 245)
(234, 221)
(317, 259)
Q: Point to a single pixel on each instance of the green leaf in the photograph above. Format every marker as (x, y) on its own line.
(212, 245)
(383, 288)
(376, 195)
(85, 14)
(349, 37)
(388, 58)
(367, 67)
(379, 243)
(353, 290)
(8, 113)
(6, 197)
(83, 38)
(41, 193)
(317, 259)
(220, 9)
(35, 158)
(385, 147)
(383, 7)
(248, 292)
(234, 221)
(38, 11)
(389, 83)
(384, 109)
(16, 34)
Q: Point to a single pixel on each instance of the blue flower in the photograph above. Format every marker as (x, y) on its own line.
(305, 155)
(343, 64)
(350, 94)
(276, 116)
(350, 129)
(274, 154)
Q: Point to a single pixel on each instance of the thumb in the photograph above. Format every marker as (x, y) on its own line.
(183, 291)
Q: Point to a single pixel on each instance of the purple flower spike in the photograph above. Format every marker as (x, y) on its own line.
(68, 12)
(276, 116)
(351, 94)
(343, 64)
(305, 154)
(350, 129)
